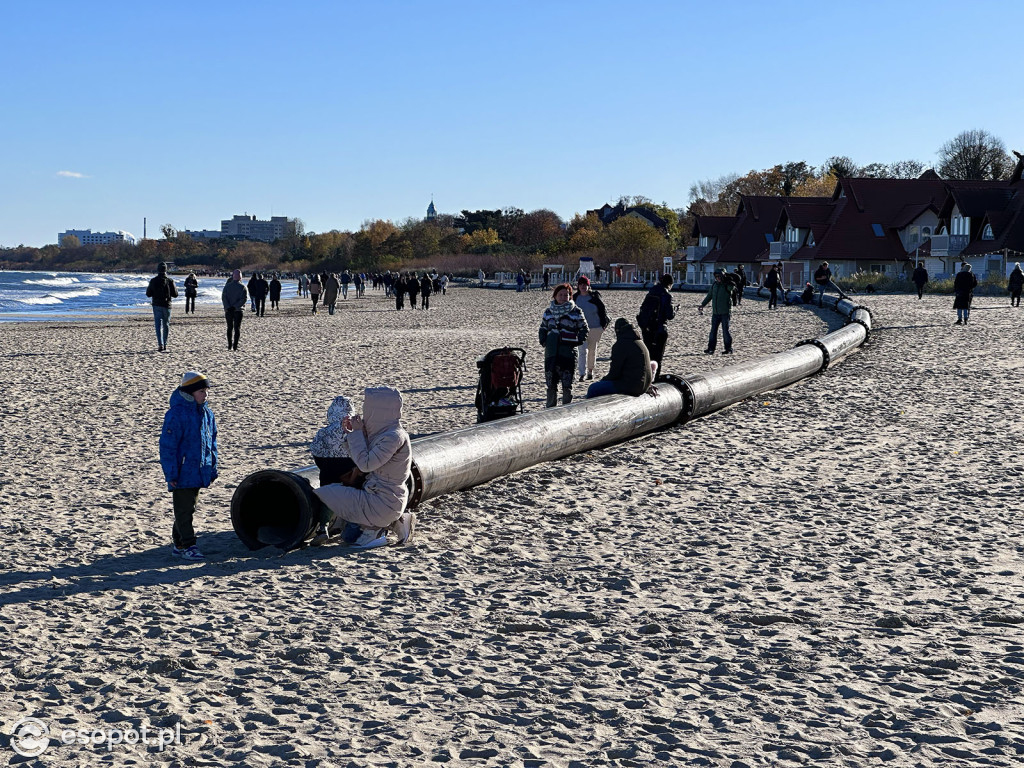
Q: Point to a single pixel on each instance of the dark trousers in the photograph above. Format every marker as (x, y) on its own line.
(190, 304)
(316, 300)
(655, 340)
(773, 298)
(399, 300)
(412, 299)
(920, 290)
(555, 376)
(261, 305)
(234, 321)
(719, 320)
(1014, 298)
(184, 500)
(426, 301)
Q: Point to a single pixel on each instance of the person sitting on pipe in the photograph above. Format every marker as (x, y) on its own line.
(630, 370)
(379, 446)
(333, 458)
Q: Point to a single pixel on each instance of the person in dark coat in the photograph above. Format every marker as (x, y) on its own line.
(412, 287)
(261, 288)
(773, 281)
(275, 292)
(963, 293)
(398, 286)
(920, 278)
(655, 312)
(741, 283)
(1015, 283)
(426, 288)
(629, 372)
(330, 297)
(191, 291)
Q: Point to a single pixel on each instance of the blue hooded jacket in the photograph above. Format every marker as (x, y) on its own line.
(188, 443)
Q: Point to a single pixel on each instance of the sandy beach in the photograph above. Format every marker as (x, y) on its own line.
(829, 574)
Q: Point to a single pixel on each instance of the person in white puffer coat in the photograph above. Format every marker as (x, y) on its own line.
(379, 446)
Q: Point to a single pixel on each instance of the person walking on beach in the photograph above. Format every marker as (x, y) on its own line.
(345, 279)
(563, 328)
(920, 279)
(426, 288)
(304, 286)
(188, 456)
(331, 288)
(720, 297)
(398, 286)
(233, 298)
(161, 290)
(191, 291)
(590, 303)
(772, 282)
(412, 287)
(260, 289)
(379, 446)
(1015, 283)
(823, 277)
(963, 291)
(250, 286)
(741, 283)
(275, 292)
(315, 287)
(655, 311)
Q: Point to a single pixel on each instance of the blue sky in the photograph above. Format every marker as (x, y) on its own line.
(338, 112)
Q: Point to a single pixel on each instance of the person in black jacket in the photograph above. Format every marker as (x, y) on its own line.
(412, 287)
(920, 279)
(1015, 283)
(773, 281)
(655, 311)
(161, 290)
(963, 292)
(399, 288)
(741, 283)
(275, 292)
(191, 291)
(260, 289)
(426, 288)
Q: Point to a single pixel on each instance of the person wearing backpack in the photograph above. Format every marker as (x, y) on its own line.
(655, 311)
(161, 290)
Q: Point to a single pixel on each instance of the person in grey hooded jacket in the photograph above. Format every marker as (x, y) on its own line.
(379, 446)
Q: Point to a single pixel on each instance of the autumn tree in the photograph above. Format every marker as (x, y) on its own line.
(706, 197)
(535, 229)
(840, 166)
(70, 241)
(169, 232)
(974, 154)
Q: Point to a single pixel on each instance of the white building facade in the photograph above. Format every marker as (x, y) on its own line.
(88, 237)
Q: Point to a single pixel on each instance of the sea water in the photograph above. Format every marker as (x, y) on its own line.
(53, 295)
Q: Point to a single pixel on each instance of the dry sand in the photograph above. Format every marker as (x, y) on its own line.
(830, 574)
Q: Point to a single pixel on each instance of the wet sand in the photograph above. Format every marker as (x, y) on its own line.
(829, 574)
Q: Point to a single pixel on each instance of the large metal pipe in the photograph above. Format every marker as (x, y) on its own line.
(279, 508)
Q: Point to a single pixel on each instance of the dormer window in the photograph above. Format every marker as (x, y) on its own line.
(986, 233)
(877, 229)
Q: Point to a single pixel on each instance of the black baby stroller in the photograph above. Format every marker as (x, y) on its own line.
(499, 393)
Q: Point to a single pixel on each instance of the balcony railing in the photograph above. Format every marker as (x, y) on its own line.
(696, 252)
(782, 250)
(948, 245)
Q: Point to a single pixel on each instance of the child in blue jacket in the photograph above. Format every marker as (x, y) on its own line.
(188, 456)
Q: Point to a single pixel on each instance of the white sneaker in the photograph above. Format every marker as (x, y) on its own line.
(404, 526)
(370, 538)
(191, 553)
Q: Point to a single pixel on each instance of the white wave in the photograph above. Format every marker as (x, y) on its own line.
(48, 299)
(75, 294)
(54, 281)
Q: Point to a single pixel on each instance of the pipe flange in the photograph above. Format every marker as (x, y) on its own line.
(415, 485)
(826, 358)
(683, 386)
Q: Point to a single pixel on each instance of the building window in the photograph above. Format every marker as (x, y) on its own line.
(986, 234)
(877, 229)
